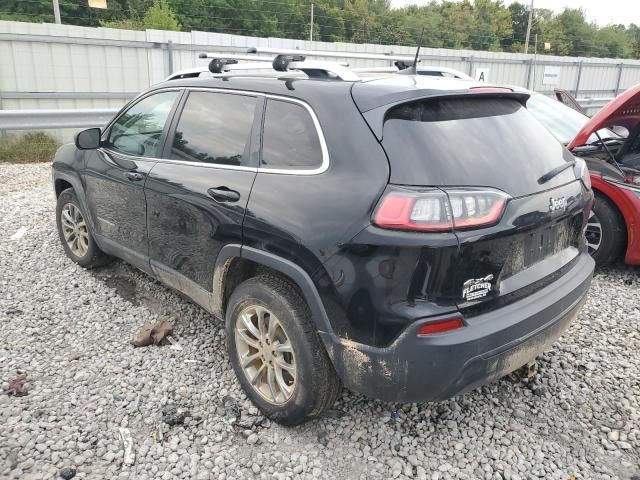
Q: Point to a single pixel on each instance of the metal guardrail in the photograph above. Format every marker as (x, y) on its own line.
(55, 119)
(593, 102)
(79, 118)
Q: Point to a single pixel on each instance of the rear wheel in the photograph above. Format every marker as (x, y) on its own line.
(276, 353)
(606, 232)
(74, 233)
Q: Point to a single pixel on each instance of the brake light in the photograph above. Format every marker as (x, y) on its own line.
(440, 210)
(440, 326)
(490, 90)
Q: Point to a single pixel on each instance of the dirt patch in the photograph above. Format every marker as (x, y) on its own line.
(125, 287)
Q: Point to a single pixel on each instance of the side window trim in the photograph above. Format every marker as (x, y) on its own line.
(256, 136)
(324, 165)
(170, 119)
(173, 124)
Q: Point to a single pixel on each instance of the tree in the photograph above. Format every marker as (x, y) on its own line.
(492, 25)
(550, 30)
(468, 24)
(160, 16)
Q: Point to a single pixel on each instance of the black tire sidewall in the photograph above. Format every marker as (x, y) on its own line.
(613, 231)
(93, 252)
(303, 401)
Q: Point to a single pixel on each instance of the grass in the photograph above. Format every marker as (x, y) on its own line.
(32, 147)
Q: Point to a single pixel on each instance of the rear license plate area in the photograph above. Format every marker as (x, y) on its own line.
(545, 242)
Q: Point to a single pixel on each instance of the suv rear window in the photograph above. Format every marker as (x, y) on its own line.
(290, 138)
(492, 142)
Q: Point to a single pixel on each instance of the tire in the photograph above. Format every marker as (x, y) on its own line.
(605, 218)
(85, 252)
(314, 386)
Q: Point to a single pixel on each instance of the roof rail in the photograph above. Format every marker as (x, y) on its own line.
(328, 70)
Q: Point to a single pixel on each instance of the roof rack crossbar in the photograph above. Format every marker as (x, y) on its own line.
(324, 53)
(281, 63)
(248, 58)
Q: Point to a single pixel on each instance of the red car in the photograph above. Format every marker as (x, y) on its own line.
(610, 144)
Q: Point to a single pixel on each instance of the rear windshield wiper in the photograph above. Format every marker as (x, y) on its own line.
(556, 171)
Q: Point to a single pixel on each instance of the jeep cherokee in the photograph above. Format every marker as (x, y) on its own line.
(408, 237)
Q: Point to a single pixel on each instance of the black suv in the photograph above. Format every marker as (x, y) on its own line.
(409, 237)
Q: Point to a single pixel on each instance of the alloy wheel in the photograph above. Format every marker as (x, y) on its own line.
(74, 229)
(593, 233)
(265, 354)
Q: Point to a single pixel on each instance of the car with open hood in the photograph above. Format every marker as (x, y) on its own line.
(609, 142)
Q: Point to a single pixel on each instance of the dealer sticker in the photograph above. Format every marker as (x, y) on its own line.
(476, 288)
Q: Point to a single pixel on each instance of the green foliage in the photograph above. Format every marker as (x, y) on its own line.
(465, 24)
(160, 16)
(124, 24)
(31, 147)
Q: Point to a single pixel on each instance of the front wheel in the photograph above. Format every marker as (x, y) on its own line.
(74, 233)
(276, 353)
(606, 232)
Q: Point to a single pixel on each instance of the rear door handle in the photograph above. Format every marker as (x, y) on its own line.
(224, 194)
(135, 176)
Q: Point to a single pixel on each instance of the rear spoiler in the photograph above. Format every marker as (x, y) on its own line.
(375, 116)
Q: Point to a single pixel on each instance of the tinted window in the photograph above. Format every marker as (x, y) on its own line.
(290, 138)
(214, 128)
(138, 131)
(471, 142)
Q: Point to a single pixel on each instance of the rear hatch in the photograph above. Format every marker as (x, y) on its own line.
(476, 142)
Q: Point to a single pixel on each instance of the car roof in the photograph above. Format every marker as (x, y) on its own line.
(371, 93)
(297, 85)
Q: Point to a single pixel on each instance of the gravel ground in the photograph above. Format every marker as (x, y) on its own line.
(69, 329)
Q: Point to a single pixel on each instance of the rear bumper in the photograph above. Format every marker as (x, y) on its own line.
(490, 346)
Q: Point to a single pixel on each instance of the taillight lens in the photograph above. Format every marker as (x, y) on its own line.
(440, 326)
(582, 172)
(440, 210)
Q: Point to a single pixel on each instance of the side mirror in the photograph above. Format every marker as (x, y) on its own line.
(88, 139)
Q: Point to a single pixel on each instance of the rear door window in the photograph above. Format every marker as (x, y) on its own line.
(492, 142)
(290, 139)
(214, 128)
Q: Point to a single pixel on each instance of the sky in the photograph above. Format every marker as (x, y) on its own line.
(602, 12)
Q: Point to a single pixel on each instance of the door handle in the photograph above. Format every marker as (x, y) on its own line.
(134, 176)
(224, 194)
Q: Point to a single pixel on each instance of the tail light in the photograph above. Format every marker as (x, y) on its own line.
(582, 172)
(440, 210)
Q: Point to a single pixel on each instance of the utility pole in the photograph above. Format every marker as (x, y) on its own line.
(535, 59)
(56, 11)
(311, 25)
(526, 42)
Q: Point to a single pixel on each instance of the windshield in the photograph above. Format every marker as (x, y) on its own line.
(562, 121)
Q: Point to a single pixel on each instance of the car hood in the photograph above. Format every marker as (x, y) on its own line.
(624, 110)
